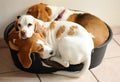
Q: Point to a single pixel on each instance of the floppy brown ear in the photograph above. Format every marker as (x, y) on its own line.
(33, 10)
(43, 15)
(39, 29)
(13, 46)
(15, 25)
(24, 58)
(48, 11)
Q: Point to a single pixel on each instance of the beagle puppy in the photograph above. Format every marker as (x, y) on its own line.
(26, 26)
(27, 46)
(91, 23)
(70, 42)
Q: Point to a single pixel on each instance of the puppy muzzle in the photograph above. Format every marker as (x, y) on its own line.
(23, 35)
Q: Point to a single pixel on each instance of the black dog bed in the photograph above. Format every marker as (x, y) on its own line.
(37, 66)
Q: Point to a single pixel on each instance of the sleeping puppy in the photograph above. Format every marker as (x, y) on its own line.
(91, 23)
(71, 43)
(27, 46)
(26, 26)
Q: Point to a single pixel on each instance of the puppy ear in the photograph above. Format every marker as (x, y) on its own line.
(18, 17)
(13, 46)
(16, 25)
(39, 29)
(48, 11)
(25, 59)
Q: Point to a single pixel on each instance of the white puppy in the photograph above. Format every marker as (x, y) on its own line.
(27, 25)
(71, 43)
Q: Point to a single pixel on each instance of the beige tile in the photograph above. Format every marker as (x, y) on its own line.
(2, 43)
(116, 30)
(108, 71)
(6, 63)
(18, 77)
(117, 38)
(113, 50)
(87, 77)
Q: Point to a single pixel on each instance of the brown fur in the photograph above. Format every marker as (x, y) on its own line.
(52, 25)
(39, 29)
(25, 47)
(94, 26)
(16, 25)
(60, 31)
(91, 23)
(72, 17)
(40, 11)
(71, 31)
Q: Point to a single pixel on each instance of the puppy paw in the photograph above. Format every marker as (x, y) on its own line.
(66, 64)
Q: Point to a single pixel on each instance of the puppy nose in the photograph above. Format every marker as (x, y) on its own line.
(51, 53)
(22, 33)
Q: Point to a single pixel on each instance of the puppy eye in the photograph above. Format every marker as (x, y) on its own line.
(19, 25)
(29, 24)
(28, 12)
(40, 50)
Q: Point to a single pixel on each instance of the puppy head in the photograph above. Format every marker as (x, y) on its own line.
(37, 43)
(40, 11)
(26, 26)
(46, 51)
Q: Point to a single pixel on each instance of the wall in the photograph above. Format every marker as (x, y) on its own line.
(107, 10)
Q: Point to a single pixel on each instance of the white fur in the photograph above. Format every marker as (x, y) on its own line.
(68, 49)
(57, 10)
(46, 49)
(24, 21)
(45, 64)
(74, 49)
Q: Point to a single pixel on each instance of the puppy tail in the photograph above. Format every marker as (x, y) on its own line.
(76, 73)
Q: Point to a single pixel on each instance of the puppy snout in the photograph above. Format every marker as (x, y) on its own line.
(51, 52)
(23, 33)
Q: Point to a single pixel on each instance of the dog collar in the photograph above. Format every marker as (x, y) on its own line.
(60, 15)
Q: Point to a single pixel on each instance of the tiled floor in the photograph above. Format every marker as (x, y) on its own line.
(107, 71)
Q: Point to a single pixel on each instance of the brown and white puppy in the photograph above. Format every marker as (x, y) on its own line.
(91, 23)
(27, 37)
(26, 26)
(72, 44)
(27, 46)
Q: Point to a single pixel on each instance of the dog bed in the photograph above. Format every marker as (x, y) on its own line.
(37, 67)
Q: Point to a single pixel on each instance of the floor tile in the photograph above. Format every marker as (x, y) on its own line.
(116, 30)
(18, 77)
(113, 50)
(6, 63)
(2, 43)
(108, 71)
(117, 38)
(87, 77)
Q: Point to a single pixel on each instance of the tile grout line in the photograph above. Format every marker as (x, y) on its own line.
(116, 42)
(111, 57)
(38, 77)
(94, 76)
(9, 72)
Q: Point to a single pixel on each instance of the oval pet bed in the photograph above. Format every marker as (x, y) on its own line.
(37, 66)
